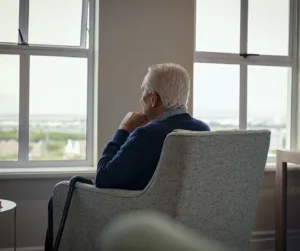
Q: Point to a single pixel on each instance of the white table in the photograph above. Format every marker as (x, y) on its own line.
(7, 205)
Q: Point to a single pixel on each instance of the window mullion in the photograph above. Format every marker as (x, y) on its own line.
(24, 19)
(44, 51)
(243, 97)
(294, 55)
(243, 67)
(292, 26)
(244, 27)
(24, 107)
(90, 87)
(83, 34)
(229, 58)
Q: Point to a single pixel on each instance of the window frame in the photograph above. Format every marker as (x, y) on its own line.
(24, 52)
(263, 60)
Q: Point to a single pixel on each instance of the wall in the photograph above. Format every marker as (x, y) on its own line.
(31, 196)
(133, 35)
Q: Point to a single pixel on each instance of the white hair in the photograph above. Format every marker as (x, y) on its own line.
(171, 82)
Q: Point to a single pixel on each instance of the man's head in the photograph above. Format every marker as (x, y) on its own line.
(165, 86)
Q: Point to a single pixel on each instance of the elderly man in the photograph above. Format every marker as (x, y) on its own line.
(130, 159)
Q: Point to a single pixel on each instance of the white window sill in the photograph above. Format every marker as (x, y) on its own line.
(48, 173)
(270, 167)
(68, 172)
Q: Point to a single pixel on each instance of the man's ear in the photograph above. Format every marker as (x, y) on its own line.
(154, 99)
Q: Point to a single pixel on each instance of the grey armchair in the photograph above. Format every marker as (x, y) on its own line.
(207, 181)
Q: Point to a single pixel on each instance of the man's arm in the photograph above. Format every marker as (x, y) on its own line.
(113, 147)
(122, 163)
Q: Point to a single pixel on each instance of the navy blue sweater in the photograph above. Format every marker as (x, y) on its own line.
(129, 160)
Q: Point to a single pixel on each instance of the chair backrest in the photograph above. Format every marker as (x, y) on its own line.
(212, 180)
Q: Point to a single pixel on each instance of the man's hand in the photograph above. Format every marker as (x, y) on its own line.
(133, 120)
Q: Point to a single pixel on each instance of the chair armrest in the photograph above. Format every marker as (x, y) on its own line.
(91, 209)
(109, 192)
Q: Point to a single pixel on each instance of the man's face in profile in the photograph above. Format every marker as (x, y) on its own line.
(145, 101)
(150, 100)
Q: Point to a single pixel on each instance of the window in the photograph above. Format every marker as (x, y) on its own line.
(46, 83)
(55, 28)
(210, 94)
(9, 106)
(9, 10)
(245, 70)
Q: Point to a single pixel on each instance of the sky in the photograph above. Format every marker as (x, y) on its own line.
(58, 85)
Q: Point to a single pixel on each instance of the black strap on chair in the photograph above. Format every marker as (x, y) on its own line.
(73, 182)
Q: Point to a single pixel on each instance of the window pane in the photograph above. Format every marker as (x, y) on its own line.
(9, 107)
(9, 20)
(58, 105)
(55, 22)
(216, 95)
(218, 25)
(267, 102)
(268, 27)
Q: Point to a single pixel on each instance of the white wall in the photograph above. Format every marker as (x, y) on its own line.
(31, 196)
(133, 35)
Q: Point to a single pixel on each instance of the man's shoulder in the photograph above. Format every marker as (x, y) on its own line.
(148, 129)
(151, 132)
(201, 124)
(147, 136)
(182, 121)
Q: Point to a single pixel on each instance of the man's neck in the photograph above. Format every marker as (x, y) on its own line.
(166, 113)
(159, 112)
